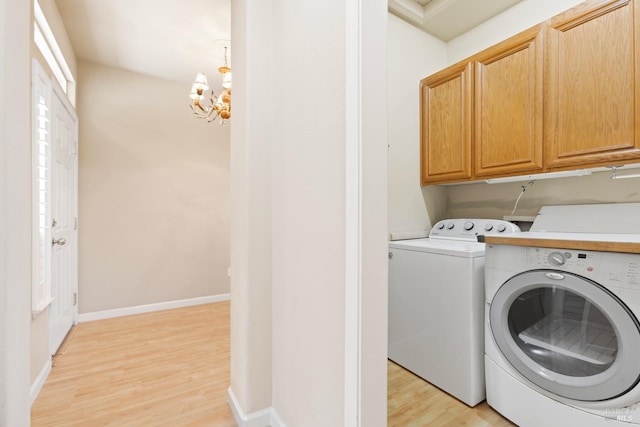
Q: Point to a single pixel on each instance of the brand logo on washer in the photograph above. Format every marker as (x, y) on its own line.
(619, 414)
(554, 276)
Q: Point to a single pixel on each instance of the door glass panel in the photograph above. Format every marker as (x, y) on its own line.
(563, 332)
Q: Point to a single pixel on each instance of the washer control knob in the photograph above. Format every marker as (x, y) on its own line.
(488, 227)
(468, 225)
(441, 226)
(501, 228)
(450, 226)
(556, 258)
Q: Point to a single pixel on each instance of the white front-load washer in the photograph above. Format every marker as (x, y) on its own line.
(562, 330)
(436, 305)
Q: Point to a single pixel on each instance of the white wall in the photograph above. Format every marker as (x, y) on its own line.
(311, 217)
(367, 218)
(498, 200)
(252, 137)
(153, 193)
(15, 212)
(308, 216)
(412, 55)
(302, 150)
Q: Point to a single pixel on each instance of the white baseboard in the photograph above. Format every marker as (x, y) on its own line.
(275, 419)
(147, 308)
(40, 380)
(263, 418)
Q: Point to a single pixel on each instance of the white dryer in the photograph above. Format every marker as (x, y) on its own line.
(436, 305)
(562, 335)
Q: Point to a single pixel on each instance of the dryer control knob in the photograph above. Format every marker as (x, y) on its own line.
(488, 227)
(556, 258)
(450, 226)
(441, 226)
(501, 228)
(468, 225)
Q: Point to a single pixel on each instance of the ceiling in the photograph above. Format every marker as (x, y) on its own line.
(447, 19)
(170, 39)
(175, 40)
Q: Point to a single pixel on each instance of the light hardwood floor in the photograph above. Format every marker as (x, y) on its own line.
(168, 368)
(413, 402)
(171, 368)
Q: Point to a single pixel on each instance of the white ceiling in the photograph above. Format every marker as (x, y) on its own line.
(170, 39)
(447, 19)
(175, 39)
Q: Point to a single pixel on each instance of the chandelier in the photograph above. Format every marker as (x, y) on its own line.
(213, 107)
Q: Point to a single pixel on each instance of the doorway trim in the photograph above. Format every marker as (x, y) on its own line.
(365, 306)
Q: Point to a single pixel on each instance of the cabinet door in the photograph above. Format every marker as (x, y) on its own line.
(591, 107)
(508, 106)
(445, 125)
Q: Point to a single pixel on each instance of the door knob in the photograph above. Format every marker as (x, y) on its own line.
(61, 241)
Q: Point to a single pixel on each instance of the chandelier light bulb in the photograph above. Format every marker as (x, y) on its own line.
(196, 93)
(226, 78)
(201, 82)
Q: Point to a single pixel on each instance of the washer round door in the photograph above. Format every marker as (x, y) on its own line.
(567, 335)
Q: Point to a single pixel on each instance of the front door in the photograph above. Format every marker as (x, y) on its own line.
(64, 258)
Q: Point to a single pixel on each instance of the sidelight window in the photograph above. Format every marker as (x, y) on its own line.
(41, 190)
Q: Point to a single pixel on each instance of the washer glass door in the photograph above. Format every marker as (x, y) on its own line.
(567, 334)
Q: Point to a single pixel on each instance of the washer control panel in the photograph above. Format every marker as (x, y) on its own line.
(606, 268)
(470, 229)
(577, 261)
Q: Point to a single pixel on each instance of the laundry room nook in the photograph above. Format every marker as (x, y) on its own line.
(528, 119)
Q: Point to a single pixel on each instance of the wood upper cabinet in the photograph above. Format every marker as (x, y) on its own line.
(508, 106)
(445, 125)
(591, 105)
(563, 95)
